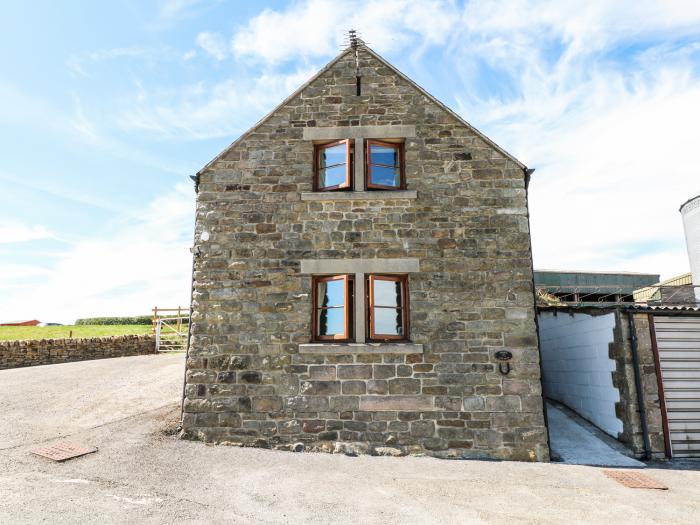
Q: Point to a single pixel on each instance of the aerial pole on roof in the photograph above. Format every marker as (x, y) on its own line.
(355, 42)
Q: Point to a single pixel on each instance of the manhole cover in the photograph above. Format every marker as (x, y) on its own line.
(634, 480)
(63, 450)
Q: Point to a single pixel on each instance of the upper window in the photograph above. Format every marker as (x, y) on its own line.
(388, 307)
(333, 308)
(333, 165)
(385, 165)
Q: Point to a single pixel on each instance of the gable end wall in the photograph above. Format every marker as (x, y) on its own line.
(247, 381)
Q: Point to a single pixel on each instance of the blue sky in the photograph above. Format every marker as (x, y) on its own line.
(106, 108)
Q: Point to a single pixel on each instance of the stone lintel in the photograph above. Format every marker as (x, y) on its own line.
(407, 403)
(360, 132)
(359, 195)
(337, 266)
(360, 348)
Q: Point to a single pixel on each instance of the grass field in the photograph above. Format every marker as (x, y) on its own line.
(13, 333)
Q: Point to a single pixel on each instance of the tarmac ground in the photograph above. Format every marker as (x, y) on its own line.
(143, 473)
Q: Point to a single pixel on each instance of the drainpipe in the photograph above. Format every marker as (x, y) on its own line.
(638, 386)
(195, 179)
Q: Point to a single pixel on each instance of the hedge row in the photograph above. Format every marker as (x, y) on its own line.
(140, 319)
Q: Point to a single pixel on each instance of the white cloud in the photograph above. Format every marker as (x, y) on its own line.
(318, 28)
(140, 263)
(15, 231)
(213, 44)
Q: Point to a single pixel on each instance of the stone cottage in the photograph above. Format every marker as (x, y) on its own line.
(363, 279)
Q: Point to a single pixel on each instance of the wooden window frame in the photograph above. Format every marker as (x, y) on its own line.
(318, 148)
(368, 165)
(405, 308)
(347, 336)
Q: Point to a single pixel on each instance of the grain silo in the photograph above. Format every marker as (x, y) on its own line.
(690, 211)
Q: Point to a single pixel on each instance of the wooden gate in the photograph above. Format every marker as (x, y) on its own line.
(171, 326)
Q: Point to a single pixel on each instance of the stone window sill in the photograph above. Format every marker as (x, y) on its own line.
(360, 348)
(358, 195)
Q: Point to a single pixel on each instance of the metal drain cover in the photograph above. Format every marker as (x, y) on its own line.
(634, 480)
(63, 450)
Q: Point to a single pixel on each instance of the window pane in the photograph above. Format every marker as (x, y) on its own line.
(383, 155)
(331, 293)
(387, 293)
(387, 321)
(331, 321)
(332, 176)
(333, 155)
(386, 176)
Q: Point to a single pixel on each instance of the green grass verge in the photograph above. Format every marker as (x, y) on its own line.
(14, 333)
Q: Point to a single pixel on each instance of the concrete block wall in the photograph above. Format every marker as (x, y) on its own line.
(577, 367)
(16, 354)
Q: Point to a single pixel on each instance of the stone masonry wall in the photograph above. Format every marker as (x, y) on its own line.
(16, 354)
(246, 380)
(628, 407)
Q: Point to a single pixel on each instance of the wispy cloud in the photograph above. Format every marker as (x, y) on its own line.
(204, 110)
(16, 231)
(80, 63)
(172, 12)
(141, 262)
(213, 44)
(604, 105)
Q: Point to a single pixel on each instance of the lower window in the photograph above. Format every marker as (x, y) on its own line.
(333, 307)
(386, 313)
(387, 307)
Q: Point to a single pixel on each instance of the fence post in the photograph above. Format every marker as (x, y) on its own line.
(154, 321)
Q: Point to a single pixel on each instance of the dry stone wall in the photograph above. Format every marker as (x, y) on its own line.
(247, 381)
(16, 354)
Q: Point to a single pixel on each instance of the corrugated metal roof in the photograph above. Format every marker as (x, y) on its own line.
(648, 292)
(596, 282)
(665, 308)
(630, 306)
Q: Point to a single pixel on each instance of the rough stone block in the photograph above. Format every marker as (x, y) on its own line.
(354, 371)
(384, 371)
(319, 388)
(354, 387)
(372, 403)
(375, 386)
(404, 386)
(422, 428)
(324, 373)
(267, 404)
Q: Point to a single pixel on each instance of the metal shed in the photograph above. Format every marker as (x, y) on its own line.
(676, 341)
